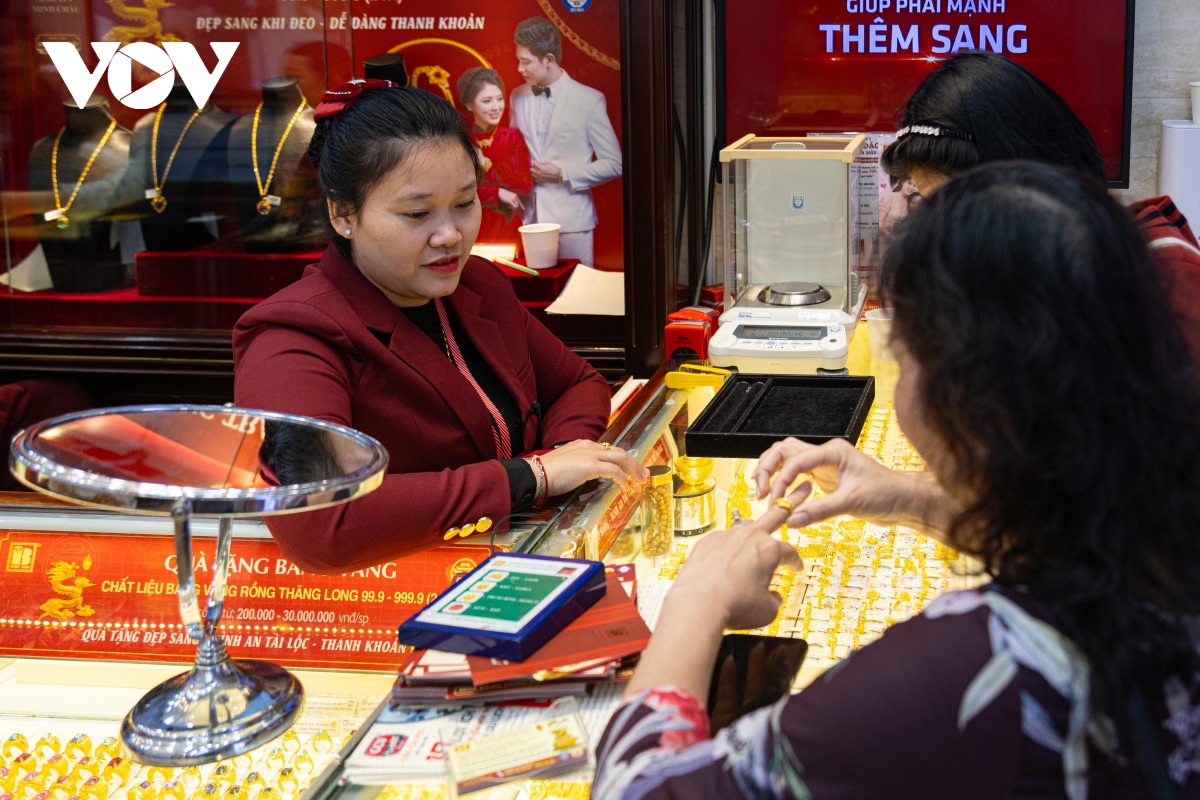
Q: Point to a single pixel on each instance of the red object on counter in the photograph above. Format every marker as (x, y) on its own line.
(691, 328)
(543, 288)
(713, 295)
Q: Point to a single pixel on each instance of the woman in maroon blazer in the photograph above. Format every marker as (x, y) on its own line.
(400, 333)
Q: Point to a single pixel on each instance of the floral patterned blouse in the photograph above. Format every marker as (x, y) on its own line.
(977, 697)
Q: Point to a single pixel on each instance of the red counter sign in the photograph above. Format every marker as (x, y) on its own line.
(848, 65)
(114, 596)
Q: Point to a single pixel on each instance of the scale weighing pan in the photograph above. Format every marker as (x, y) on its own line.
(753, 412)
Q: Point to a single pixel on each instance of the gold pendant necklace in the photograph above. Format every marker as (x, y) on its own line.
(266, 201)
(158, 202)
(484, 161)
(60, 211)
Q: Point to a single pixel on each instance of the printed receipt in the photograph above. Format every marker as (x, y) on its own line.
(554, 745)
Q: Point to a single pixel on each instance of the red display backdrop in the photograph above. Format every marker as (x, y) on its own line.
(319, 43)
(849, 65)
(108, 596)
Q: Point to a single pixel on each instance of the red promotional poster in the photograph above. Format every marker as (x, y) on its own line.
(542, 80)
(848, 65)
(114, 596)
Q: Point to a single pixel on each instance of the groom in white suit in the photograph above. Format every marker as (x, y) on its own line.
(564, 124)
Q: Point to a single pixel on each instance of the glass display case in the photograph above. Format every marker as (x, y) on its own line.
(69, 675)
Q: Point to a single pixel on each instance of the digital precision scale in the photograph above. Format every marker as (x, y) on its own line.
(792, 299)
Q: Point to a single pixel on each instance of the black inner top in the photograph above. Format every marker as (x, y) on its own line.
(521, 482)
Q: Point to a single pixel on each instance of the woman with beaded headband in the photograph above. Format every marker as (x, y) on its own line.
(401, 333)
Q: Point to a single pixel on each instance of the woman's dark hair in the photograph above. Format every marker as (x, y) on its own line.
(354, 149)
(473, 80)
(1008, 112)
(1052, 370)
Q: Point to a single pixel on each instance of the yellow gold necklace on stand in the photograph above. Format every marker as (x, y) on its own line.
(157, 201)
(266, 201)
(60, 211)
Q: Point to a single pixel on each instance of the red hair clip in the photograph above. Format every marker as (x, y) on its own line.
(337, 99)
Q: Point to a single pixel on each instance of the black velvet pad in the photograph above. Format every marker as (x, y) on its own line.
(804, 411)
(752, 412)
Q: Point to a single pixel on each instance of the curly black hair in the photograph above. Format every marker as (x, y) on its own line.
(1008, 112)
(1054, 373)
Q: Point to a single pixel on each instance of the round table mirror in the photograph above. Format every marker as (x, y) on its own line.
(201, 461)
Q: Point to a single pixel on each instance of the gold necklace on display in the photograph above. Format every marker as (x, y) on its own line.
(157, 201)
(60, 211)
(486, 162)
(266, 201)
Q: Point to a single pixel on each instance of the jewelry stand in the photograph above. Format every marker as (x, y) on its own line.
(201, 462)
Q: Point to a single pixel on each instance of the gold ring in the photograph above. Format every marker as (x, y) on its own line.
(191, 778)
(235, 793)
(146, 790)
(606, 445)
(323, 742)
(94, 788)
(66, 786)
(223, 775)
(174, 790)
(29, 784)
(210, 791)
(269, 793)
(290, 742)
(275, 759)
(785, 504)
(8, 779)
(58, 764)
(79, 746)
(244, 761)
(47, 746)
(303, 764)
(25, 762)
(253, 779)
(15, 745)
(107, 750)
(288, 781)
(154, 773)
(86, 767)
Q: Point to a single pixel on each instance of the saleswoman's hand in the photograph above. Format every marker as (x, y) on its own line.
(854, 484)
(580, 461)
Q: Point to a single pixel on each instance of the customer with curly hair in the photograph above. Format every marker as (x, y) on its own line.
(1068, 437)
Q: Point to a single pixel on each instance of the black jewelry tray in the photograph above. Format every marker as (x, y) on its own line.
(752, 412)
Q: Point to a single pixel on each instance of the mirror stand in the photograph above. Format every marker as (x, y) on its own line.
(221, 707)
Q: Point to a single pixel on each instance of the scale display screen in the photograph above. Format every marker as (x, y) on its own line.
(758, 332)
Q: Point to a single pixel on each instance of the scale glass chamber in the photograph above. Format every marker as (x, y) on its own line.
(792, 298)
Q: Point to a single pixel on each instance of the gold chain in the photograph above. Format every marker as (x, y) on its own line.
(159, 202)
(488, 142)
(62, 218)
(264, 187)
(574, 38)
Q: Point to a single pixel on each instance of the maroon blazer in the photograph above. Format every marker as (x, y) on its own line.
(332, 346)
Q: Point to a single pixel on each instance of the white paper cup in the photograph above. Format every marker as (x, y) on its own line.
(879, 329)
(1195, 101)
(540, 241)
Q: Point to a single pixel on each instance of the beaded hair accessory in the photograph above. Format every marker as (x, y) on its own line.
(933, 130)
(336, 100)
